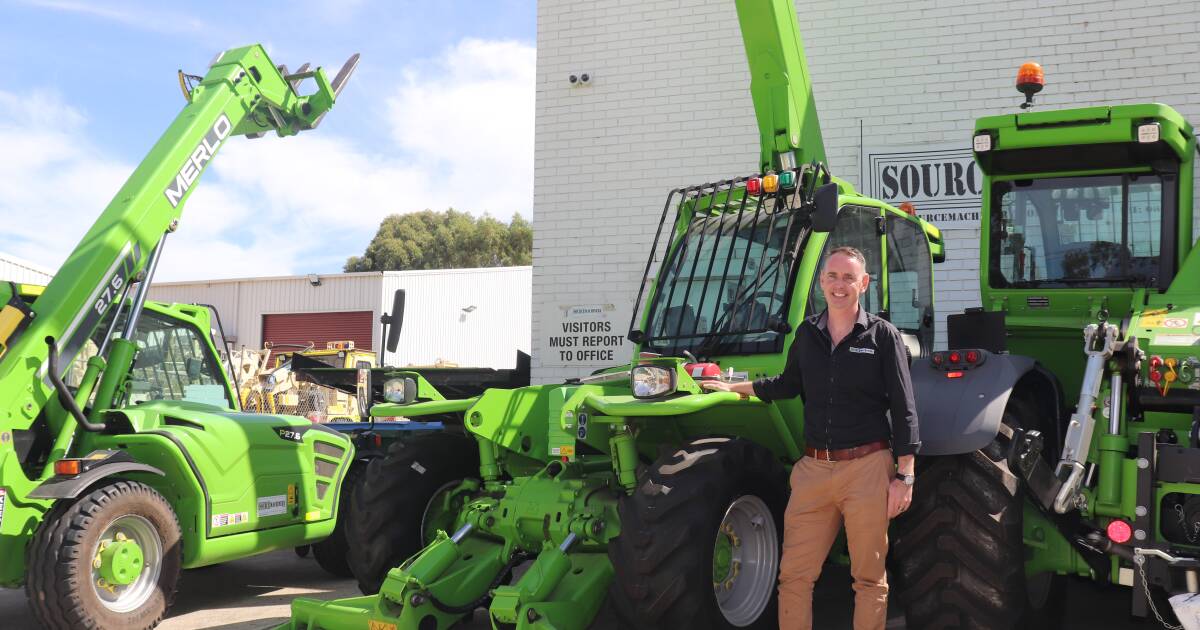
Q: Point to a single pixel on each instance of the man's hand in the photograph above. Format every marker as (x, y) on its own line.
(742, 389)
(899, 497)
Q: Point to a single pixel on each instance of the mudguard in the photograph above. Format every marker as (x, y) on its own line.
(963, 414)
(59, 487)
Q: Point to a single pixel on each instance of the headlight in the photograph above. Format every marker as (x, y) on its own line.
(652, 381)
(393, 390)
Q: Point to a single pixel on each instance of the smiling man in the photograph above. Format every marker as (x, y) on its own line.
(851, 369)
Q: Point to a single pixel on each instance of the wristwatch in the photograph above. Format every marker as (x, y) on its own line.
(907, 479)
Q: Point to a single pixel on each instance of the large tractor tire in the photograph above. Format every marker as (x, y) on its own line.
(701, 538)
(128, 530)
(391, 517)
(332, 554)
(958, 557)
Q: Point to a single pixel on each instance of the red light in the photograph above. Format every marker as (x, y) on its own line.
(938, 358)
(955, 357)
(1119, 531)
(378, 440)
(972, 356)
(1155, 362)
(954, 374)
(1155, 376)
(754, 186)
(908, 208)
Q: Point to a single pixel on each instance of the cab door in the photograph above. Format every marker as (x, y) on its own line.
(909, 292)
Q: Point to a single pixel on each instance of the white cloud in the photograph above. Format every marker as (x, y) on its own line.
(462, 127)
(154, 20)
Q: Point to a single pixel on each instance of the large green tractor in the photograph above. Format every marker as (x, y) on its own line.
(1090, 324)
(632, 495)
(123, 455)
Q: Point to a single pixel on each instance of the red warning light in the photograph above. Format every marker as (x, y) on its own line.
(955, 357)
(1030, 76)
(972, 356)
(938, 358)
(1119, 531)
(954, 374)
(754, 186)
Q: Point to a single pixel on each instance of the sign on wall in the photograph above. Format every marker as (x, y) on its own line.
(584, 335)
(943, 182)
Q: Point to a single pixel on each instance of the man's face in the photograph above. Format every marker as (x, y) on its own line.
(843, 279)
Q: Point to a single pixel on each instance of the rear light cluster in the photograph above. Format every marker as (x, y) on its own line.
(955, 362)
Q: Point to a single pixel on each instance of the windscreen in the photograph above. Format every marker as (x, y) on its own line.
(1103, 230)
(725, 286)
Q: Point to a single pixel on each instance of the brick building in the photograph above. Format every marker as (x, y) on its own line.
(897, 84)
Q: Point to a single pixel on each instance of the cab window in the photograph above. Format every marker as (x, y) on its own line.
(172, 363)
(856, 227)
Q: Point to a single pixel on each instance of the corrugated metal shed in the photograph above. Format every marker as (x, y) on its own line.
(13, 269)
(472, 317)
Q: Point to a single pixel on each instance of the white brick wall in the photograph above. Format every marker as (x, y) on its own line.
(669, 105)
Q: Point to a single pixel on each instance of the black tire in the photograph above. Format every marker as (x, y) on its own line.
(389, 504)
(302, 550)
(60, 583)
(663, 558)
(332, 553)
(958, 557)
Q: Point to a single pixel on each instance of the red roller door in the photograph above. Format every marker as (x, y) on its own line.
(318, 328)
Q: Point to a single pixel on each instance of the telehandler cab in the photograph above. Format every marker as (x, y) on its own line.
(142, 465)
(631, 486)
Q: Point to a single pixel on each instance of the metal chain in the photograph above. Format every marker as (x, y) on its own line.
(1195, 533)
(1140, 561)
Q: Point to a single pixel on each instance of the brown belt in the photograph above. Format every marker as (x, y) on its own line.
(843, 454)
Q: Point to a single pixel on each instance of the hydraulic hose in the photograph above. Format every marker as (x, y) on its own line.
(64, 394)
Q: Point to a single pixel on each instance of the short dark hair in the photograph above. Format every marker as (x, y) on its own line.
(852, 252)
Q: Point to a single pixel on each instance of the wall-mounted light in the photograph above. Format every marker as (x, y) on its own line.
(314, 279)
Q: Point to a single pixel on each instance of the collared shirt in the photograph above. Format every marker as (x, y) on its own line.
(849, 390)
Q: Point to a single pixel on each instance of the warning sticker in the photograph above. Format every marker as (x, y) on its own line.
(225, 520)
(272, 505)
(1175, 339)
(380, 625)
(1174, 322)
(1153, 318)
(1, 506)
(291, 496)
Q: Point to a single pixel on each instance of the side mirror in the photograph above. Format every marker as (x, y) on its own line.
(825, 208)
(396, 320)
(363, 392)
(401, 391)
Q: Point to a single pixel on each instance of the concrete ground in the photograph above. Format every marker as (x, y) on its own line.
(254, 594)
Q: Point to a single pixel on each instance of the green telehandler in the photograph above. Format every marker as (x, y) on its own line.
(630, 490)
(1090, 282)
(123, 455)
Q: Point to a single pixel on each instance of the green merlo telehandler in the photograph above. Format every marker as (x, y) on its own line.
(123, 455)
(630, 491)
(1090, 280)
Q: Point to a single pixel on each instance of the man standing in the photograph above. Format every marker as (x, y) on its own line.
(851, 369)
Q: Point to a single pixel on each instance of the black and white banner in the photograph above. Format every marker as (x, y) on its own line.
(941, 181)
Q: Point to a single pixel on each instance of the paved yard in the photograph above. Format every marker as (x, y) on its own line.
(254, 594)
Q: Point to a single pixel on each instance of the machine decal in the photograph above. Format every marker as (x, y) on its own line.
(272, 505)
(1153, 318)
(418, 467)
(291, 495)
(291, 434)
(2, 506)
(199, 157)
(102, 298)
(1174, 322)
(1196, 319)
(1176, 339)
(380, 625)
(224, 520)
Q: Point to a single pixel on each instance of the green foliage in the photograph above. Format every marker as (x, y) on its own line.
(445, 240)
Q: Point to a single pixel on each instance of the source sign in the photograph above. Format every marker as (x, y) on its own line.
(942, 182)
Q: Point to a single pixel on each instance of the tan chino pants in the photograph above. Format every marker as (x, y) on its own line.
(825, 496)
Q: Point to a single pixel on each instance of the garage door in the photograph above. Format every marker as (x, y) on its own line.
(319, 328)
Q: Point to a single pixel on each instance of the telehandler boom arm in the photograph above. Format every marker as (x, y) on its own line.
(779, 84)
(243, 93)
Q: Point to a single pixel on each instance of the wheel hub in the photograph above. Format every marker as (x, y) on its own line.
(120, 560)
(745, 560)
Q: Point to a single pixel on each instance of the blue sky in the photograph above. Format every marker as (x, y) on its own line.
(444, 93)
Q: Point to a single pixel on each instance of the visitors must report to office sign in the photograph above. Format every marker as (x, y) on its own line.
(942, 182)
(585, 334)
